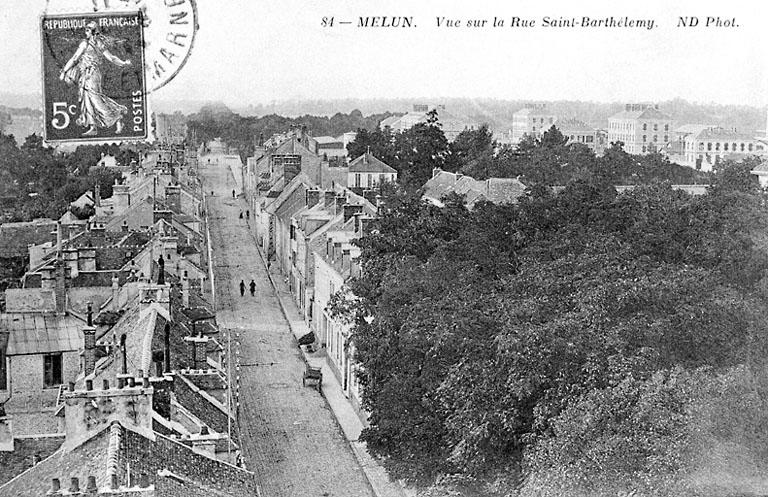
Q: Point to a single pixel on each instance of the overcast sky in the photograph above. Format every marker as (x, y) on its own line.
(257, 51)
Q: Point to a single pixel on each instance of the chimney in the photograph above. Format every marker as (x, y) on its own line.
(161, 270)
(167, 348)
(124, 227)
(91, 410)
(173, 198)
(70, 257)
(124, 369)
(350, 210)
(312, 197)
(60, 286)
(89, 344)
(199, 351)
(339, 205)
(345, 259)
(329, 199)
(115, 305)
(86, 258)
(185, 289)
(121, 197)
(151, 293)
(97, 195)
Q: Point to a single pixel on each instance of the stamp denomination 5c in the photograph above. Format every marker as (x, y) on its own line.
(94, 86)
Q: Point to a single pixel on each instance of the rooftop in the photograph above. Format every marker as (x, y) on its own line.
(649, 113)
(39, 334)
(495, 190)
(368, 163)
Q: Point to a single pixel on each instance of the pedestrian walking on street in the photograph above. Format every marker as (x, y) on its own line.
(253, 287)
(242, 288)
(241, 214)
(247, 214)
(233, 193)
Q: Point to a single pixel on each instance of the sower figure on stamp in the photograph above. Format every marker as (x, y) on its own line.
(97, 110)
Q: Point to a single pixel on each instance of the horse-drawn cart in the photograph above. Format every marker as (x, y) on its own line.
(313, 376)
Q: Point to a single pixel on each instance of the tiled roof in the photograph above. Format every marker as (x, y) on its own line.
(16, 237)
(39, 334)
(367, 163)
(496, 190)
(20, 459)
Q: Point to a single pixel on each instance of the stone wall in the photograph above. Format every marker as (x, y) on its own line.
(148, 457)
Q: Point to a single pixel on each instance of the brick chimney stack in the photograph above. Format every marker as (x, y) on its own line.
(313, 197)
(115, 304)
(185, 289)
(89, 343)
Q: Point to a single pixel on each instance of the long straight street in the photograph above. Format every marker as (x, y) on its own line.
(288, 435)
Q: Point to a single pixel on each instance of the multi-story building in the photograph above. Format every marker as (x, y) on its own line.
(451, 124)
(533, 120)
(704, 147)
(369, 172)
(642, 128)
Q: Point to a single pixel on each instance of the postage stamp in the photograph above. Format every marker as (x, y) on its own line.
(94, 85)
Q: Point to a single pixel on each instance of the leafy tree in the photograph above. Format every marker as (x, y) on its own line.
(419, 150)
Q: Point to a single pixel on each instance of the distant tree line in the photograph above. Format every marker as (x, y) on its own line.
(37, 181)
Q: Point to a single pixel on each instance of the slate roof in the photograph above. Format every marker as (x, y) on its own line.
(87, 459)
(15, 238)
(39, 334)
(573, 126)
(718, 133)
(649, 113)
(367, 163)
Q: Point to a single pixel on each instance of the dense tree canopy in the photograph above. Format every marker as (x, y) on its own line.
(581, 342)
(39, 182)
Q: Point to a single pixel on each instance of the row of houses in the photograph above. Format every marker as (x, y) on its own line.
(307, 214)
(113, 376)
(644, 128)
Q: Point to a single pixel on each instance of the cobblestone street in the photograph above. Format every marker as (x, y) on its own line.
(289, 437)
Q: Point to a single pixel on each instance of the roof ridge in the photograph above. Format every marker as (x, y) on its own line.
(113, 450)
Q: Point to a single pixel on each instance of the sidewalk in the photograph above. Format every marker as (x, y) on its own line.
(348, 420)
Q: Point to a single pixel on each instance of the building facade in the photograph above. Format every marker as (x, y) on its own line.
(532, 120)
(643, 128)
